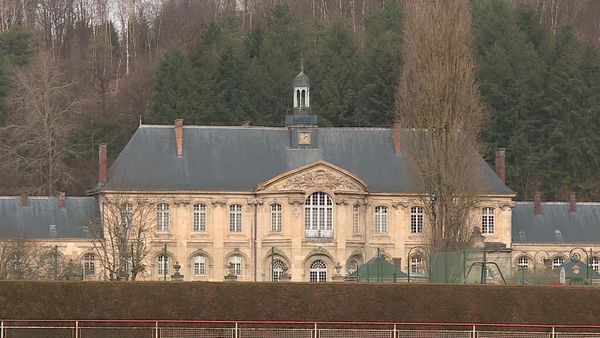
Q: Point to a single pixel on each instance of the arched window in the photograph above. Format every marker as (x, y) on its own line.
(523, 262)
(318, 215)
(303, 104)
(277, 269)
(595, 263)
(381, 220)
(235, 265)
(297, 98)
(416, 220)
(163, 265)
(356, 218)
(416, 264)
(89, 264)
(235, 218)
(318, 271)
(557, 262)
(200, 265)
(487, 221)
(162, 217)
(276, 217)
(352, 266)
(199, 217)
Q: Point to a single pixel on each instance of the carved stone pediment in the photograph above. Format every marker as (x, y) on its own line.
(506, 205)
(219, 202)
(319, 251)
(319, 176)
(255, 201)
(181, 201)
(399, 204)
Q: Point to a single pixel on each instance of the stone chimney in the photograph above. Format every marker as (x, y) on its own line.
(102, 163)
(397, 136)
(23, 200)
(246, 124)
(537, 203)
(61, 200)
(573, 202)
(501, 164)
(179, 136)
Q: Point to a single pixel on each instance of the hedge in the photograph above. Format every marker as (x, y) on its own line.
(300, 302)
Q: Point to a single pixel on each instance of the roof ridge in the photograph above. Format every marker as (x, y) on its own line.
(559, 202)
(168, 126)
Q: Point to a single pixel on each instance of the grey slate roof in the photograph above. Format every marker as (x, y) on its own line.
(239, 159)
(301, 80)
(33, 221)
(556, 223)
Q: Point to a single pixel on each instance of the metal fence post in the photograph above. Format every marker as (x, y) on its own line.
(474, 334)
(235, 331)
(316, 332)
(395, 335)
(1, 329)
(76, 329)
(553, 333)
(156, 334)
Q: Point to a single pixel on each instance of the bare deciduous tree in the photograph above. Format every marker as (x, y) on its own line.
(20, 260)
(123, 237)
(438, 96)
(36, 142)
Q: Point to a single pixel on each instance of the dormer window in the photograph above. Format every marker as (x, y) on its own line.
(558, 235)
(52, 229)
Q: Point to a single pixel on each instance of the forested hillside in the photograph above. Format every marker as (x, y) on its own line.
(77, 73)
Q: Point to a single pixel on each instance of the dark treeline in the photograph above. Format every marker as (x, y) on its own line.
(225, 62)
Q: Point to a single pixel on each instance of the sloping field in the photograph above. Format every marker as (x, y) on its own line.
(300, 302)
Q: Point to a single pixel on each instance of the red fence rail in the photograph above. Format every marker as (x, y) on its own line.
(15, 328)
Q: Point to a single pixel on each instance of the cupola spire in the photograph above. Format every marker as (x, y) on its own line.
(301, 86)
(302, 114)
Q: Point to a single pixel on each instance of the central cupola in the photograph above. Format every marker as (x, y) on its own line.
(301, 86)
(302, 114)
(302, 124)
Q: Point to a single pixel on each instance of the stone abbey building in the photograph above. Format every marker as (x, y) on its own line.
(311, 203)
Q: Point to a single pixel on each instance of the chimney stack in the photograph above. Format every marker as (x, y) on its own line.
(573, 202)
(23, 200)
(501, 164)
(61, 200)
(179, 136)
(246, 124)
(397, 136)
(102, 163)
(537, 203)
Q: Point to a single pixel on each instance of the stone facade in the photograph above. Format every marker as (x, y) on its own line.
(354, 236)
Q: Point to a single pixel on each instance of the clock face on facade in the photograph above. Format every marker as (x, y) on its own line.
(303, 138)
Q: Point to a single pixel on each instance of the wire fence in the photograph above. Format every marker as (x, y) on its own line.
(262, 329)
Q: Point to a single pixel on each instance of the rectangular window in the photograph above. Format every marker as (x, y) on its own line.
(416, 220)
(162, 217)
(235, 218)
(199, 218)
(276, 218)
(127, 214)
(487, 221)
(356, 219)
(381, 220)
